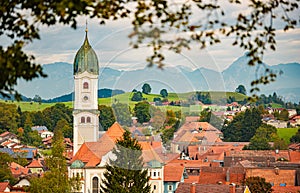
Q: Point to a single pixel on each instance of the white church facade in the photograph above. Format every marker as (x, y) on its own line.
(91, 152)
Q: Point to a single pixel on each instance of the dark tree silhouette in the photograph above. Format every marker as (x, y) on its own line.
(21, 21)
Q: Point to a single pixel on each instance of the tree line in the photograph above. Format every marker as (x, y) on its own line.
(146, 89)
(248, 127)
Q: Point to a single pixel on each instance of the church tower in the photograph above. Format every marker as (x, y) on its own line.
(85, 112)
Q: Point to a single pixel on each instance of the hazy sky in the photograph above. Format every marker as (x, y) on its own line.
(60, 44)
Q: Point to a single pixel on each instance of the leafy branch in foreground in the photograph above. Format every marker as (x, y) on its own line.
(195, 21)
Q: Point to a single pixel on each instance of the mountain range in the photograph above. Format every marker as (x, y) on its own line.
(177, 79)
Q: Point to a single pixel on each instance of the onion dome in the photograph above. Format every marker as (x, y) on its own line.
(86, 59)
(77, 164)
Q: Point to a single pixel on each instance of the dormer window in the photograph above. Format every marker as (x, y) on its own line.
(85, 85)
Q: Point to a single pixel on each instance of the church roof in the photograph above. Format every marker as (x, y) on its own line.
(115, 131)
(85, 155)
(91, 153)
(86, 59)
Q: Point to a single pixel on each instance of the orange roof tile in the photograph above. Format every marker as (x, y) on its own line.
(294, 156)
(86, 155)
(92, 152)
(168, 157)
(191, 163)
(289, 189)
(17, 169)
(148, 152)
(3, 186)
(212, 175)
(35, 164)
(156, 144)
(286, 176)
(115, 131)
(281, 154)
(191, 179)
(206, 188)
(173, 172)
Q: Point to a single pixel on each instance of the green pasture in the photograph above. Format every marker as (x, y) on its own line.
(286, 133)
(125, 98)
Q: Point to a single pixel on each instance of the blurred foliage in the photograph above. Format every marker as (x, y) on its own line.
(253, 30)
(106, 118)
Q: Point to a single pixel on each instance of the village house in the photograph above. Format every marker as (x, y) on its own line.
(295, 120)
(36, 166)
(174, 173)
(42, 131)
(18, 171)
(9, 140)
(201, 134)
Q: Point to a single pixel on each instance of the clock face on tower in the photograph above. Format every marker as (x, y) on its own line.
(85, 98)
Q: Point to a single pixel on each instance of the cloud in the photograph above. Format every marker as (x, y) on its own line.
(60, 43)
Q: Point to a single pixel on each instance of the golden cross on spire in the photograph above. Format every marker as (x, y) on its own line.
(86, 26)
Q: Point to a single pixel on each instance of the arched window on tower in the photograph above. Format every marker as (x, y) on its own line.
(85, 85)
(88, 119)
(82, 120)
(95, 185)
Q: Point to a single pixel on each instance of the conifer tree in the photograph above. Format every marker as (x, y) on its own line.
(125, 173)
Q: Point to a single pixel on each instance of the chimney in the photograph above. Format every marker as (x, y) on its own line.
(193, 188)
(232, 188)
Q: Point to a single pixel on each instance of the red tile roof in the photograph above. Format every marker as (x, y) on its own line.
(286, 189)
(294, 156)
(173, 172)
(196, 131)
(190, 163)
(115, 131)
(148, 152)
(86, 155)
(35, 164)
(215, 175)
(18, 170)
(3, 186)
(287, 176)
(191, 179)
(91, 153)
(206, 188)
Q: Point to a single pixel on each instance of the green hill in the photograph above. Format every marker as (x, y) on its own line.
(125, 98)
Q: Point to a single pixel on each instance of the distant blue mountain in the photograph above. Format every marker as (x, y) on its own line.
(175, 79)
(102, 93)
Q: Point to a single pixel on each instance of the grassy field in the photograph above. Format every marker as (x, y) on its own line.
(286, 133)
(27, 106)
(125, 98)
(276, 105)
